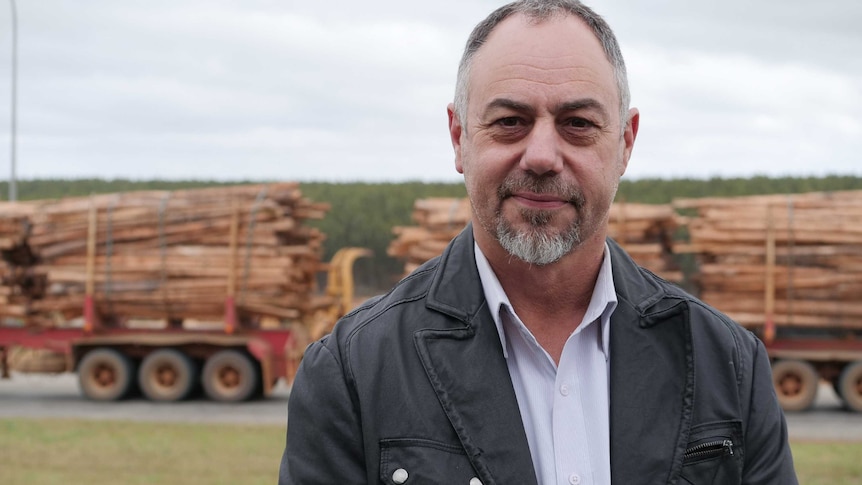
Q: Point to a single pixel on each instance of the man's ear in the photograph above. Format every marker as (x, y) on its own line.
(629, 135)
(455, 132)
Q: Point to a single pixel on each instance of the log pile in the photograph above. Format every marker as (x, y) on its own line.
(793, 260)
(645, 231)
(170, 255)
(439, 221)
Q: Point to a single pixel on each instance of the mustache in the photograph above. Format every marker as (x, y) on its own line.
(546, 185)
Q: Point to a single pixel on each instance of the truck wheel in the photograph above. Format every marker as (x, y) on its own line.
(850, 384)
(795, 384)
(105, 375)
(230, 376)
(167, 375)
(836, 385)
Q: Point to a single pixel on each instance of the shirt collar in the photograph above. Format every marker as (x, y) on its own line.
(601, 307)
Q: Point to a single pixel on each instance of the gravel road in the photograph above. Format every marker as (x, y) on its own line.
(57, 396)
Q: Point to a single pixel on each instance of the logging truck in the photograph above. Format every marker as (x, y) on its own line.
(169, 360)
(789, 267)
(168, 293)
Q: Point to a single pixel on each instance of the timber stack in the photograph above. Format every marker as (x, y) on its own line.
(779, 260)
(171, 255)
(439, 220)
(645, 231)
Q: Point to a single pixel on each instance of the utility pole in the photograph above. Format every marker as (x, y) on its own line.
(13, 184)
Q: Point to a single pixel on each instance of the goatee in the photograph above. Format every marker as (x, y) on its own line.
(538, 244)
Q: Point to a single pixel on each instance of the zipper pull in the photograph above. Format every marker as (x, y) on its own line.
(729, 445)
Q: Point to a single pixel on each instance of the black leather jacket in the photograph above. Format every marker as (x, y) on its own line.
(414, 384)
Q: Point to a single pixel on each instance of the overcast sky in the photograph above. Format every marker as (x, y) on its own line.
(345, 90)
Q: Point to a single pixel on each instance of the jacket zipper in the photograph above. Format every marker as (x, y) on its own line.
(709, 449)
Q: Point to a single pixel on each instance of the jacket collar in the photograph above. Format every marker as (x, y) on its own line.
(456, 289)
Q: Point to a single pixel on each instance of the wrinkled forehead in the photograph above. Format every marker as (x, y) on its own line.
(559, 50)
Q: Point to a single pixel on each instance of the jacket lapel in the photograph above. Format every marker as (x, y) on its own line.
(466, 367)
(652, 381)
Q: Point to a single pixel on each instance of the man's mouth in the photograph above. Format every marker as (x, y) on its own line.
(539, 201)
(540, 193)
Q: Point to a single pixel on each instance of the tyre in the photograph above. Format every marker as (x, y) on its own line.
(230, 376)
(167, 375)
(105, 375)
(795, 384)
(836, 386)
(850, 384)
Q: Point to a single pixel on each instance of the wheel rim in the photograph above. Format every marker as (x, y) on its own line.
(104, 375)
(229, 378)
(166, 376)
(790, 385)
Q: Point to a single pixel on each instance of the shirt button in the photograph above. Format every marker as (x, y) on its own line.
(475, 481)
(400, 476)
(564, 390)
(574, 479)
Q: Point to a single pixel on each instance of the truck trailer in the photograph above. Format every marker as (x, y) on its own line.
(788, 267)
(168, 293)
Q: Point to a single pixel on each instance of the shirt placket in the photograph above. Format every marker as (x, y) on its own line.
(569, 423)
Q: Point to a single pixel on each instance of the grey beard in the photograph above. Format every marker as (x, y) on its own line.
(535, 246)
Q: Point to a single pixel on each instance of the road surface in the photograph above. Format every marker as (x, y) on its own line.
(57, 396)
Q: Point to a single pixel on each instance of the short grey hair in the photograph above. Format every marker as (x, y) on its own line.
(540, 11)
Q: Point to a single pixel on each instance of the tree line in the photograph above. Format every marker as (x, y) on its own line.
(364, 213)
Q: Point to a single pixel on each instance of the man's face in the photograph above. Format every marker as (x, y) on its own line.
(542, 149)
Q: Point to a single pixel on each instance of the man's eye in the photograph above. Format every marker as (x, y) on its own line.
(579, 123)
(509, 122)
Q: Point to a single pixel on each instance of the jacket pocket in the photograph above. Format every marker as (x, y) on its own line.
(412, 461)
(714, 454)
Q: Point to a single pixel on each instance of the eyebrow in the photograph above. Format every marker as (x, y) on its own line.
(586, 103)
(578, 104)
(508, 104)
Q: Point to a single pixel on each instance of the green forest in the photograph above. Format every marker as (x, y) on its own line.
(363, 214)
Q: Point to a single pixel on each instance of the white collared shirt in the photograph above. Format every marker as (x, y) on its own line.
(565, 409)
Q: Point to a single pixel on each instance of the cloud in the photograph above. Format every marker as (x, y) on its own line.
(736, 115)
(229, 89)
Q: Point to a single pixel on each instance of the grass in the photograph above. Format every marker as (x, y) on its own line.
(60, 451)
(63, 451)
(828, 463)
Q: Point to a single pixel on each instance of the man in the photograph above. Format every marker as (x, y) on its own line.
(534, 351)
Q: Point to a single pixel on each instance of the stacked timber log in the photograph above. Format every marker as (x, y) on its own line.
(171, 255)
(439, 220)
(791, 260)
(645, 231)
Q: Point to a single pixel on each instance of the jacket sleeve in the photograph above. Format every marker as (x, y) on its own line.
(768, 460)
(324, 439)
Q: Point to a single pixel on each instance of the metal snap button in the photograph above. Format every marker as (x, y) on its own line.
(400, 476)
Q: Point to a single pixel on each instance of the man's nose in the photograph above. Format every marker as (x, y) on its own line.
(542, 152)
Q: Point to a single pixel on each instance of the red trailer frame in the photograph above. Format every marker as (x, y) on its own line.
(233, 362)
